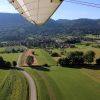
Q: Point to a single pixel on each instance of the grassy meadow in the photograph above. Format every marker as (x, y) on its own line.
(56, 83)
(43, 57)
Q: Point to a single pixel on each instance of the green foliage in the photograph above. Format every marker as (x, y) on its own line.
(98, 61)
(75, 57)
(33, 52)
(55, 54)
(30, 60)
(14, 63)
(14, 49)
(89, 56)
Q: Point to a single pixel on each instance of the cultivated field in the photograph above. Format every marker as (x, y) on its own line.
(13, 85)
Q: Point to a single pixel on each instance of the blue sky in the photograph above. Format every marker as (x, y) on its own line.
(65, 11)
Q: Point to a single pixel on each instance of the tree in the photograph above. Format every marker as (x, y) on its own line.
(30, 60)
(89, 56)
(14, 63)
(75, 57)
(1, 59)
(2, 62)
(7, 64)
(55, 54)
(98, 61)
(64, 61)
(33, 52)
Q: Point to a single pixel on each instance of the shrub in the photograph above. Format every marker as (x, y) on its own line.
(14, 63)
(89, 56)
(64, 61)
(33, 52)
(30, 60)
(7, 64)
(46, 65)
(72, 46)
(55, 54)
(98, 61)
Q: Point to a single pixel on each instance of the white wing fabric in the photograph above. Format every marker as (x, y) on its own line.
(37, 11)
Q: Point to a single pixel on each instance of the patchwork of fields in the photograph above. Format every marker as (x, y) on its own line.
(56, 83)
(53, 82)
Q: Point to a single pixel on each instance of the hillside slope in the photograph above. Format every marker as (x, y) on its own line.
(15, 27)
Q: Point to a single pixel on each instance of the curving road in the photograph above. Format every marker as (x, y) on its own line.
(32, 87)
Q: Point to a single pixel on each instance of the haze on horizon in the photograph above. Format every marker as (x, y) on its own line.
(65, 11)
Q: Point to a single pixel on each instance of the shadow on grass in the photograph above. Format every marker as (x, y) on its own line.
(41, 68)
(92, 66)
(3, 68)
(13, 68)
(87, 66)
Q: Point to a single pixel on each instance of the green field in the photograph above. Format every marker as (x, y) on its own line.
(43, 57)
(2, 49)
(59, 83)
(10, 56)
(52, 83)
(13, 85)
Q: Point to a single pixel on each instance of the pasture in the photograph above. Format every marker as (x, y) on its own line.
(10, 56)
(43, 57)
(56, 83)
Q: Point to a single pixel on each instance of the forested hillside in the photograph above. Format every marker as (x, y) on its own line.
(15, 27)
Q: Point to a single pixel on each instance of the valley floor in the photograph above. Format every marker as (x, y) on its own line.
(52, 83)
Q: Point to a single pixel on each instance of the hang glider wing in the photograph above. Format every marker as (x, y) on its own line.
(37, 11)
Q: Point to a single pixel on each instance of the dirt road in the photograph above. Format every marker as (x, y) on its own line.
(32, 87)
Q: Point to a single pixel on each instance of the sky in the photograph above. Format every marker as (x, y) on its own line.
(65, 11)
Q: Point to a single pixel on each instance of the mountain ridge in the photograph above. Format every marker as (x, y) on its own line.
(15, 26)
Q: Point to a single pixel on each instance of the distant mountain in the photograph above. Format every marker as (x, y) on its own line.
(15, 27)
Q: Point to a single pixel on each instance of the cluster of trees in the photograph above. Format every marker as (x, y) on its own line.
(4, 64)
(14, 49)
(96, 46)
(78, 58)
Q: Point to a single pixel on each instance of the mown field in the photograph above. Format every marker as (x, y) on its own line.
(13, 85)
(58, 83)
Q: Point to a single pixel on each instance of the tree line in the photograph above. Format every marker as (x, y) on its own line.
(6, 64)
(78, 58)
